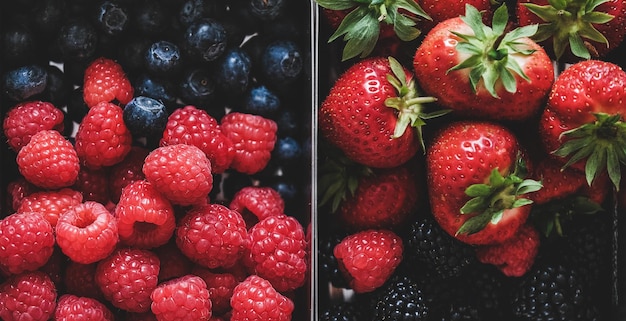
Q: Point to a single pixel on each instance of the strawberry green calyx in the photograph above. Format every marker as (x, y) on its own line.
(490, 50)
(488, 201)
(602, 143)
(361, 27)
(568, 22)
(409, 103)
(549, 217)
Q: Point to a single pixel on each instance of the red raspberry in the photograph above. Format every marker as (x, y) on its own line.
(87, 233)
(72, 308)
(145, 218)
(17, 190)
(51, 204)
(55, 266)
(181, 172)
(277, 252)
(93, 184)
(102, 138)
(515, 256)
(212, 235)
(180, 299)
(256, 203)
(256, 299)
(28, 118)
(220, 286)
(49, 160)
(127, 171)
(127, 277)
(28, 296)
(192, 126)
(106, 81)
(253, 137)
(174, 263)
(26, 242)
(368, 258)
(80, 279)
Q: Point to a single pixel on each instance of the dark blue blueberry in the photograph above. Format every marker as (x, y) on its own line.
(281, 63)
(150, 17)
(197, 87)
(163, 58)
(77, 40)
(288, 123)
(145, 116)
(205, 40)
(76, 106)
(19, 45)
(75, 70)
(194, 10)
(262, 101)
(233, 182)
(132, 53)
(48, 16)
(155, 87)
(266, 9)
(111, 18)
(24, 82)
(58, 88)
(287, 151)
(233, 71)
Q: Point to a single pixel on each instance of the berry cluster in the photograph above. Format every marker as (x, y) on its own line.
(153, 155)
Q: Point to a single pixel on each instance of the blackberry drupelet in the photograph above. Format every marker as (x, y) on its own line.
(343, 311)
(328, 266)
(401, 299)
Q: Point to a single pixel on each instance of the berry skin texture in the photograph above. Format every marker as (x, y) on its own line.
(181, 299)
(49, 160)
(106, 81)
(73, 308)
(102, 138)
(212, 236)
(87, 233)
(26, 242)
(127, 277)
(254, 138)
(145, 218)
(126, 171)
(182, 173)
(51, 204)
(28, 296)
(220, 286)
(255, 203)
(27, 118)
(368, 258)
(515, 256)
(278, 251)
(255, 299)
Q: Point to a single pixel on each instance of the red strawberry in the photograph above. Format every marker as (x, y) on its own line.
(49, 160)
(28, 296)
(253, 137)
(575, 30)
(515, 256)
(439, 10)
(26, 242)
(494, 75)
(182, 299)
(106, 81)
(368, 111)
(102, 138)
(475, 178)
(368, 258)
(29, 117)
(51, 204)
(256, 299)
(582, 125)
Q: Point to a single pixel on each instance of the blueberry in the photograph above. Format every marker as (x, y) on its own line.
(19, 45)
(149, 17)
(111, 18)
(282, 62)
(205, 40)
(288, 123)
(262, 101)
(233, 71)
(77, 40)
(233, 182)
(76, 106)
(287, 151)
(197, 87)
(194, 10)
(145, 116)
(58, 88)
(25, 82)
(48, 16)
(132, 51)
(155, 87)
(266, 9)
(163, 58)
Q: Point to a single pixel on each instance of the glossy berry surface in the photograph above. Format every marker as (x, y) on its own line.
(24, 82)
(145, 116)
(205, 39)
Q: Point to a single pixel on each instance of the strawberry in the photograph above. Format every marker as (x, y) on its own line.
(439, 10)
(368, 111)
(515, 256)
(475, 179)
(106, 81)
(582, 124)
(575, 30)
(495, 75)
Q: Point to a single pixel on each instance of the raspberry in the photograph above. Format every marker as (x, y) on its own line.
(278, 253)
(145, 218)
(193, 126)
(80, 280)
(212, 235)
(180, 299)
(368, 258)
(256, 299)
(93, 184)
(26, 242)
(256, 203)
(127, 171)
(73, 308)
(49, 160)
(87, 233)
(106, 81)
(127, 277)
(17, 190)
(102, 138)
(51, 204)
(220, 286)
(28, 118)
(253, 137)
(175, 263)
(181, 172)
(516, 255)
(27, 296)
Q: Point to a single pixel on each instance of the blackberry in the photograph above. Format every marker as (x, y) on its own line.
(484, 287)
(401, 298)
(459, 312)
(344, 311)
(328, 266)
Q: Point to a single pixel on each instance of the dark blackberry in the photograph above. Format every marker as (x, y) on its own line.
(327, 263)
(427, 243)
(484, 287)
(401, 298)
(456, 311)
(343, 311)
